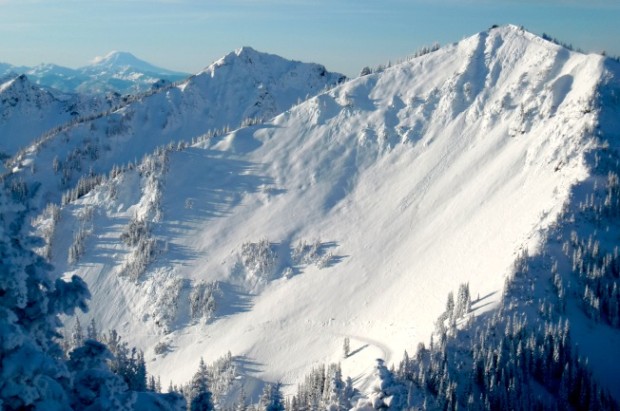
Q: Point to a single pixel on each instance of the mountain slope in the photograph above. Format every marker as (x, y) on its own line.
(245, 84)
(27, 111)
(436, 172)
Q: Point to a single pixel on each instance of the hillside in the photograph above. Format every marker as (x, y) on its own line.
(243, 86)
(28, 110)
(353, 214)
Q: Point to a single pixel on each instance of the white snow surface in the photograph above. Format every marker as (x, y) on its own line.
(435, 172)
(242, 85)
(28, 110)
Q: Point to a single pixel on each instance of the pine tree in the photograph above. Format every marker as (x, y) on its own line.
(95, 386)
(199, 394)
(241, 403)
(77, 334)
(271, 400)
(91, 331)
(335, 395)
(346, 347)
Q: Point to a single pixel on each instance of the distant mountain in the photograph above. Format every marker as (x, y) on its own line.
(121, 61)
(119, 72)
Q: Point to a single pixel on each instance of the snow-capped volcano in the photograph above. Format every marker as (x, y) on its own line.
(125, 63)
(352, 214)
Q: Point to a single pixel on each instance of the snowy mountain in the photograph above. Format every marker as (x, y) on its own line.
(353, 214)
(119, 72)
(124, 72)
(122, 61)
(243, 86)
(28, 110)
(349, 218)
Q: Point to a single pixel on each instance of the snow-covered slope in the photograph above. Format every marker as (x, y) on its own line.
(243, 85)
(27, 111)
(402, 185)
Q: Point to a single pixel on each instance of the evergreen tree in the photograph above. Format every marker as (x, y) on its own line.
(91, 331)
(271, 400)
(199, 394)
(241, 403)
(335, 395)
(77, 334)
(95, 386)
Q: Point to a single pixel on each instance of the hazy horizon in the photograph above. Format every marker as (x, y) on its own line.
(187, 35)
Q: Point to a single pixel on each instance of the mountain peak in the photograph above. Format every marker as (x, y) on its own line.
(125, 61)
(245, 50)
(117, 58)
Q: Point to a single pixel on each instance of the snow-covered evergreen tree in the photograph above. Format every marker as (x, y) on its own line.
(271, 399)
(336, 396)
(95, 387)
(199, 394)
(33, 373)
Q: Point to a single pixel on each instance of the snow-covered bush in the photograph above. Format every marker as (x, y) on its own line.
(165, 294)
(259, 259)
(202, 300)
(142, 255)
(313, 253)
(95, 386)
(162, 347)
(135, 231)
(47, 222)
(77, 247)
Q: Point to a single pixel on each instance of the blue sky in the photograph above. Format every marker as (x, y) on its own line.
(187, 35)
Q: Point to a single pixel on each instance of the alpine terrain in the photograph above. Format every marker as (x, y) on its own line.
(117, 71)
(292, 229)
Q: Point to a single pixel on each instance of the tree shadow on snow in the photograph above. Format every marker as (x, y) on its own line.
(219, 183)
(246, 365)
(352, 353)
(478, 303)
(233, 300)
